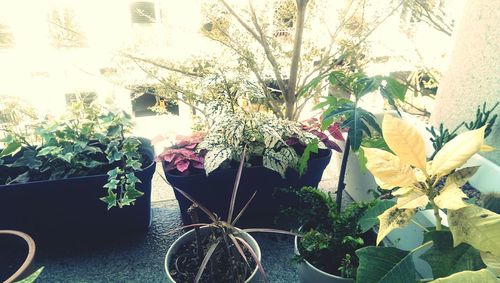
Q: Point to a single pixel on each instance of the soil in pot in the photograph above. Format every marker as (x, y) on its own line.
(13, 253)
(330, 260)
(220, 268)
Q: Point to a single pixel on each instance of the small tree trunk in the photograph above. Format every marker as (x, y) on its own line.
(343, 168)
(291, 96)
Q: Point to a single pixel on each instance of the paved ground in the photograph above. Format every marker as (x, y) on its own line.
(139, 258)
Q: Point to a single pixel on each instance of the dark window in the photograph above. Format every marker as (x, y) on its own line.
(144, 101)
(142, 12)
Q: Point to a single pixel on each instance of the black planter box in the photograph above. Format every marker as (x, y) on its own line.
(71, 207)
(214, 191)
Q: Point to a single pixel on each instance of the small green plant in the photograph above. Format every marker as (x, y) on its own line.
(443, 135)
(330, 237)
(359, 123)
(86, 141)
(223, 244)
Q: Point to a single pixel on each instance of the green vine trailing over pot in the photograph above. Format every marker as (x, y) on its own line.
(460, 251)
(86, 141)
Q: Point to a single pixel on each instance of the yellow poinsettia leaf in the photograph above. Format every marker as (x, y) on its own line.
(476, 226)
(391, 219)
(461, 176)
(457, 151)
(388, 170)
(415, 198)
(492, 262)
(405, 141)
(485, 147)
(483, 276)
(451, 197)
(402, 191)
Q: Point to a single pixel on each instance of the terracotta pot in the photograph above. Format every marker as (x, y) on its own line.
(11, 244)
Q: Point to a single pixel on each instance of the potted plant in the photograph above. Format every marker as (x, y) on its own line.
(325, 252)
(202, 165)
(458, 249)
(361, 125)
(18, 251)
(67, 176)
(217, 250)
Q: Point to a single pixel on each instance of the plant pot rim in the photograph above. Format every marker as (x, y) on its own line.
(29, 258)
(224, 171)
(296, 249)
(151, 163)
(187, 234)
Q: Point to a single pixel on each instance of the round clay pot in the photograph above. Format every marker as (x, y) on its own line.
(309, 273)
(190, 235)
(18, 251)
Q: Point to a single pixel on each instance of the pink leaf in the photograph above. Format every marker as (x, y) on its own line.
(319, 134)
(182, 165)
(190, 146)
(197, 165)
(331, 145)
(168, 157)
(335, 131)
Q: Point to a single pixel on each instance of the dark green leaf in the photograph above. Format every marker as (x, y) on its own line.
(32, 278)
(445, 259)
(370, 217)
(23, 178)
(311, 147)
(12, 148)
(312, 84)
(110, 200)
(49, 150)
(28, 159)
(394, 88)
(385, 265)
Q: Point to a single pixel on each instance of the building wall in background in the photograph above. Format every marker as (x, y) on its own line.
(473, 76)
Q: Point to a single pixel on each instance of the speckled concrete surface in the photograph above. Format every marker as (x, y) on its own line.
(140, 257)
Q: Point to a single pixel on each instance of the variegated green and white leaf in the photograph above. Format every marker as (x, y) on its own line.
(215, 157)
(280, 160)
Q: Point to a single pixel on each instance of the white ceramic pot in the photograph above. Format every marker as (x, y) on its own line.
(190, 236)
(309, 273)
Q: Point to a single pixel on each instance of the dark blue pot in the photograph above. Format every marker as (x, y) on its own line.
(214, 191)
(69, 207)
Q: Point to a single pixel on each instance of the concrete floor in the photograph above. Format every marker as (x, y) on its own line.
(140, 258)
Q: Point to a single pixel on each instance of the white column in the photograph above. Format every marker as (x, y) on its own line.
(473, 76)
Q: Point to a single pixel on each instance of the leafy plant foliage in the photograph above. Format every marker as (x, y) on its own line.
(474, 230)
(182, 158)
(87, 141)
(443, 135)
(330, 238)
(268, 139)
(226, 238)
